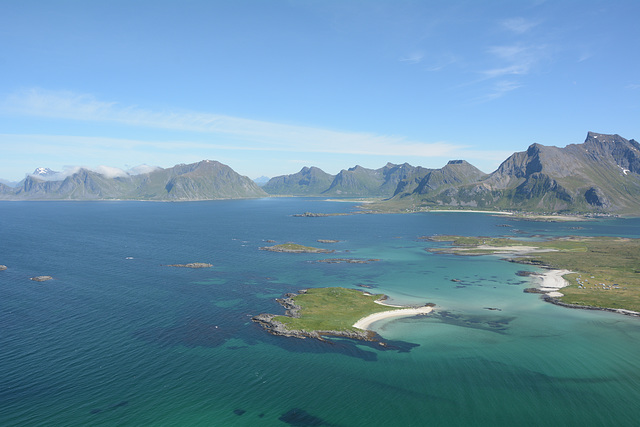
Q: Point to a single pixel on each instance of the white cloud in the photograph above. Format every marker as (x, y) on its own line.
(413, 58)
(518, 25)
(110, 172)
(141, 169)
(106, 171)
(517, 59)
(245, 134)
(495, 90)
(508, 53)
(499, 89)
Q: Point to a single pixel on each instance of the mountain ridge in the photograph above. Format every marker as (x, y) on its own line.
(599, 175)
(602, 174)
(204, 180)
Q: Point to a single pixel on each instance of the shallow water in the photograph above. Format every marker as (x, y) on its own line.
(118, 341)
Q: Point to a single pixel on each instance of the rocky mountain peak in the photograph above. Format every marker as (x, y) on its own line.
(43, 172)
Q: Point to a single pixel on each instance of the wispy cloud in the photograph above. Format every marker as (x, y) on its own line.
(518, 25)
(509, 63)
(413, 58)
(239, 133)
(442, 62)
(633, 86)
(497, 90)
(503, 87)
(516, 59)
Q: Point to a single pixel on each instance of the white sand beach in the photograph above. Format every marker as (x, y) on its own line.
(470, 211)
(365, 322)
(552, 281)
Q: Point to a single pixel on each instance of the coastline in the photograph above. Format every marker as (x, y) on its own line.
(359, 330)
(366, 321)
(470, 211)
(549, 284)
(551, 281)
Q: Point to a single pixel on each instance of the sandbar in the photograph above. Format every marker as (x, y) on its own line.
(366, 321)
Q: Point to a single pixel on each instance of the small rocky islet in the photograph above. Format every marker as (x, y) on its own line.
(192, 265)
(347, 260)
(276, 327)
(295, 248)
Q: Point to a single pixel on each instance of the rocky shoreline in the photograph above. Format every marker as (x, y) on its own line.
(548, 295)
(556, 301)
(277, 328)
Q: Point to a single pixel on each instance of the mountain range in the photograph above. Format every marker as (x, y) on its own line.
(600, 175)
(205, 180)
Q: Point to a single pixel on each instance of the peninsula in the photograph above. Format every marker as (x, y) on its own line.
(320, 312)
(600, 272)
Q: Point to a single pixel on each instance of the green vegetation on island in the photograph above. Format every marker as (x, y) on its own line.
(332, 309)
(606, 270)
(319, 312)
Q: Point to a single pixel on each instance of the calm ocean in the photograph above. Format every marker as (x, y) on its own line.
(119, 338)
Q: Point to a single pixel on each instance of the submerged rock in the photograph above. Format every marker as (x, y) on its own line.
(301, 418)
(41, 278)
(3, 267)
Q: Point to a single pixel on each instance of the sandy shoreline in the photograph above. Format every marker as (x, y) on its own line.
(550, 282)
(471, 211)
(365, 322)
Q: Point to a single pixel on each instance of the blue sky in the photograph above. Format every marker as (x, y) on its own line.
(268, 87)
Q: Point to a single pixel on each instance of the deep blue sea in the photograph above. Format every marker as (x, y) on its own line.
(119, 338)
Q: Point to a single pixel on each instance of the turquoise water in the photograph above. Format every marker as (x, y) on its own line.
(118, 338)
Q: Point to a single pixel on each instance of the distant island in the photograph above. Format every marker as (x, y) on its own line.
(319, 312)
(295, 248)
(591, 272)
